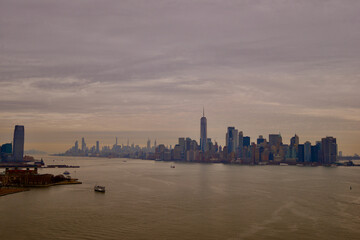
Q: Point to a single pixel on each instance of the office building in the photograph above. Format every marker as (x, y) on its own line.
(232, 139)
(301, 153)
(18, 148)
(203, 132)
(97, 147)
(148, 145)
(246, 141)
(275, 139)
(328, 150)
(307, 152)
(260, 140)
(83, 145)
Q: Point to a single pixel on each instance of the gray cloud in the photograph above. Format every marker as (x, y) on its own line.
(278, 61)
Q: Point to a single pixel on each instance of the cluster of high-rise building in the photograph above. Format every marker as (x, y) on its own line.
(14, 152)
(240, 149)
(116, 150)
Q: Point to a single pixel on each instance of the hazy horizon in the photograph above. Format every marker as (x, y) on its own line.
(140, 69)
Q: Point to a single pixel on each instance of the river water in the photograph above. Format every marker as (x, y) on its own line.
(149, 200)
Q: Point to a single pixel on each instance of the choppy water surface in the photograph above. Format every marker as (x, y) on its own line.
(150, 200)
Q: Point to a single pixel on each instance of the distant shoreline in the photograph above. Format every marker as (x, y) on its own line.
(312, 164)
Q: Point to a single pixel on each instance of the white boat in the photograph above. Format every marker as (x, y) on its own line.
(283, 164)
(98, 188)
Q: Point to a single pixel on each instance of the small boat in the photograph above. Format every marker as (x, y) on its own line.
(98, 188)
(283, 164)
(172, 166)
(66, 173)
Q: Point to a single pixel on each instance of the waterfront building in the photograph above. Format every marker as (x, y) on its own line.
(177, 152)
(241, 143)
(301, 153)
(203, 133)
(253, 153)
(293, 149)
(6, 152)
(83, 145)
(18, 148)
(210, 146)
(6, 148)
(182, 147)
(191, 155)
(232, 140)
(76, 147)
(307, 152)
(97, 147)
(315, 152)
(148, 145)
(160, 152)
(187, 144)
(328, 150)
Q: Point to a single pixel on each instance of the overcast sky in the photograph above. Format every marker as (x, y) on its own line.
(138, 69)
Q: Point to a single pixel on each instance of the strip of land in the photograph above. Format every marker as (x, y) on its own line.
(5, 191)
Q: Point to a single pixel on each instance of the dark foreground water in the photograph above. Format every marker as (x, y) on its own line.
(150, 200)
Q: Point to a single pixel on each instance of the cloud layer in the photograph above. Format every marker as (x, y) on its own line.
(149, 66)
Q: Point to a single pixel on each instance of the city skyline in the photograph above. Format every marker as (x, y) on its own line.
(134, 70)
(107, 142)
(239, 149)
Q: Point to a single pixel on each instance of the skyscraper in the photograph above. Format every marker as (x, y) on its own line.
(18, 149)
(328, 150)
(83, 145)
(98, 147)
(241, 143)
(246, 141)
(294, 141)
(232, 139)
(307, 151)
(76, 147)
(294, 146)
(260, 139)
(148, 145)
(203, 132)
(275, 139)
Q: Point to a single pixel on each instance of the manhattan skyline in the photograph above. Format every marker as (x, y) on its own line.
(137, 70)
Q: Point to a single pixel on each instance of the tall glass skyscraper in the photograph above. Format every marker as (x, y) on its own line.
(203, 133)
(232, 138)
(18, 148)
(328, 150)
